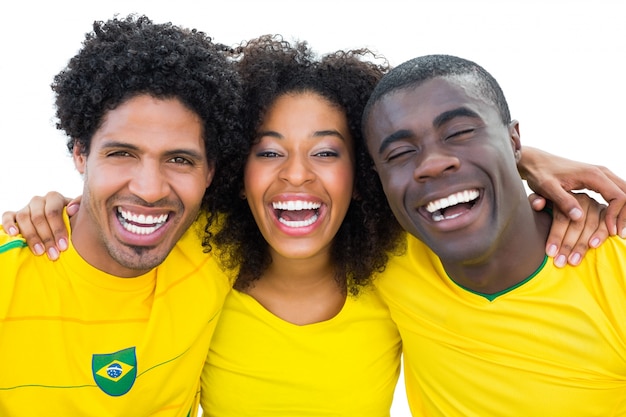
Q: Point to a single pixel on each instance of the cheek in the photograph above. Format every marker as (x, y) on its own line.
(340, 184)
(386, 179)
(104, 179)
(394, 186)
(189, 188)
(257, 180)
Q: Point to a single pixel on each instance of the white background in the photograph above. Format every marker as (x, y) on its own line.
(560, 63)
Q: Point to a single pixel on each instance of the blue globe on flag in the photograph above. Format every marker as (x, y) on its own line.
(114, 370)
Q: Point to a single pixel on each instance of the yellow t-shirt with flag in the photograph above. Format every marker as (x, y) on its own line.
(554, 345)
(75, 341)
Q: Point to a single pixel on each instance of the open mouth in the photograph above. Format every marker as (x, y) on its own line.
(140, 224)
(296, 213)
(452, 206)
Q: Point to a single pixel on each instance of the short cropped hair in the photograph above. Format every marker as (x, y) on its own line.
(416, 71)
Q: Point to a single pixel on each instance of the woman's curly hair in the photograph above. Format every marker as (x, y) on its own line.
(271, 67)
(126, 57)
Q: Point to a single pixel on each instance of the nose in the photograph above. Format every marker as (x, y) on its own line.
(297, 170)
(433, 163)
(149, 182)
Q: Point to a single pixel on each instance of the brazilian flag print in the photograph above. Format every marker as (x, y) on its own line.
(115, 373)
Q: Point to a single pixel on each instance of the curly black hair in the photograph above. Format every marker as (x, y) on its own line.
(271, 67)
(126, 57)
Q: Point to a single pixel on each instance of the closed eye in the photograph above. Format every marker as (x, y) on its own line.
(462, 133)
(398, 153)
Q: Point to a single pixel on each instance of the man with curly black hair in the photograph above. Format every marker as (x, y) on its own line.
(122, 324)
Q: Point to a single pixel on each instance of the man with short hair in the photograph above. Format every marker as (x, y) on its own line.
(121, 324)
(489, 327)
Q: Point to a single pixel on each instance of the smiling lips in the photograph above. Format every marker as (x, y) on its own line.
(296, 213)
(451, 206)
(140, 224)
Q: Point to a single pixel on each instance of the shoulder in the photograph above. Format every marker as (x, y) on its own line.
(418, 259)
(188, 261)
(610, 256)
(13, 252)
(10, 243)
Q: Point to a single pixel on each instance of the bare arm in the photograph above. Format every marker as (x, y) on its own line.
(552, 177)
(579, 222)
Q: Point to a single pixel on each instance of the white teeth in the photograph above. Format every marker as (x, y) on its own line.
(133, 228)
(295, 205)
(454, 199)
(141, 224)
(437, 217)
(299, 223)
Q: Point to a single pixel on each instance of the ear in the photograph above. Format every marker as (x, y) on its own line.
(80, 158)
(516, 143)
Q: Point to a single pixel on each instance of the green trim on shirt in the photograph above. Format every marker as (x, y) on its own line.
(493, 296)
(14, 244)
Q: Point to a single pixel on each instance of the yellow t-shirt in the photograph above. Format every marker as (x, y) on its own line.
(260, 365)
(553, 346)
(75, 341)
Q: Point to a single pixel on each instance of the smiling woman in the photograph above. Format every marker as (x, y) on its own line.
(303, 156)
(304, 236)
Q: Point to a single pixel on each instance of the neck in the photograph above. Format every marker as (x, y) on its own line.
(513, 258)
(90, 246)
(300, 291)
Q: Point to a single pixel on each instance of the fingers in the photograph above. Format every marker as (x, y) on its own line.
(569, 241)
(537, 202)
(9, 223)
(620, 222)
(552, 176)
(555, 246)
(41, 224)
(73, 205)
(72, 208)
(613, 189)
(33, 228)
(563, 200)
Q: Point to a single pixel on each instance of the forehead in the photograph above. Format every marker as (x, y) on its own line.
(303, 105)
(305, 113)
(148, 120)
(416, 107)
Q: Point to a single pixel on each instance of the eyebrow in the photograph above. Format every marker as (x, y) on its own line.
(316, 134)
(451, 114)
(123, 145)
(437, 122)
(321, 133)
(395, 136)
